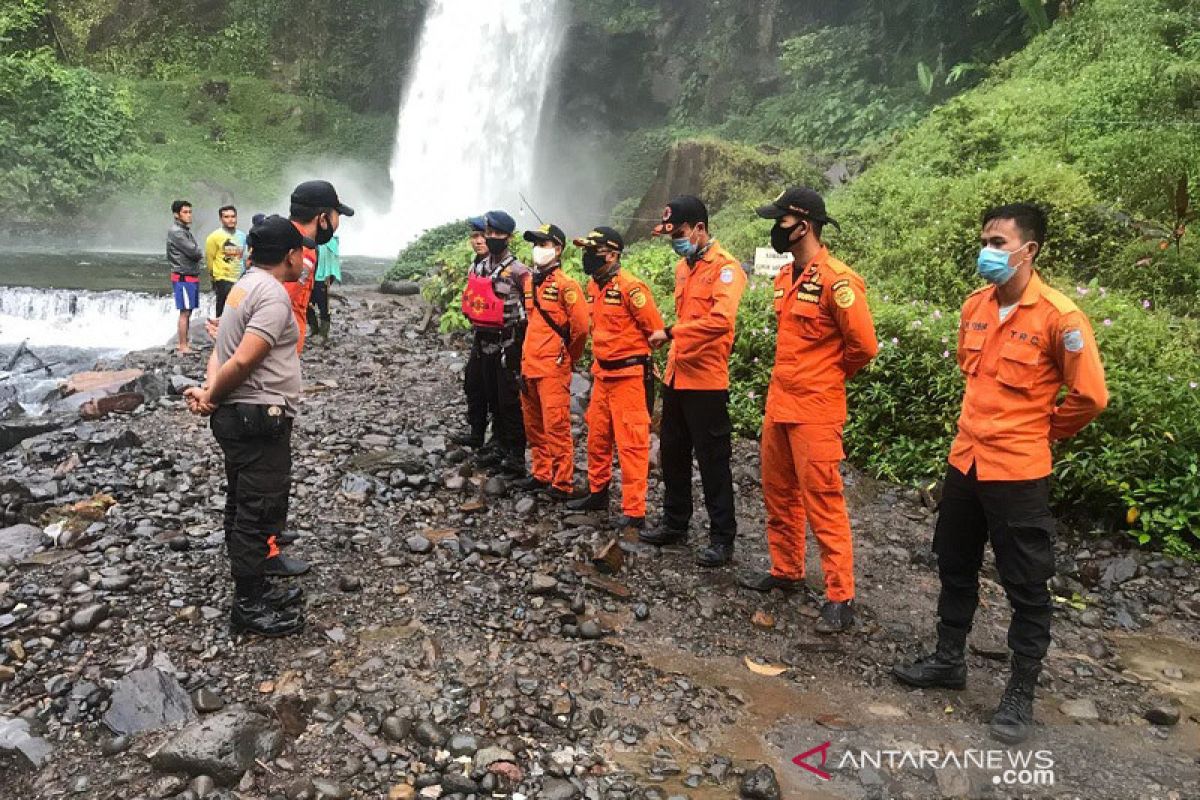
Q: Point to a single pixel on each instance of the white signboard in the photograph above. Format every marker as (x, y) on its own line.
(767, 262)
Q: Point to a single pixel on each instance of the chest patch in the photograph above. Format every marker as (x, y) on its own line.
(809, 292)
(612, 297)
(550, 292)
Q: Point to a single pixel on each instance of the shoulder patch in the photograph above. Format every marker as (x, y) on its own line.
(1073, 340)
(843, 294)
(1061, 303)
(570, 296)
(837, 267)
(727, 275)
(236, 295)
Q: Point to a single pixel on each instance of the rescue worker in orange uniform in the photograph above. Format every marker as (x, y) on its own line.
(708, 288)
(825, 335)
(316, 212)
(623, 318)
(554, 340)
(1019, 343)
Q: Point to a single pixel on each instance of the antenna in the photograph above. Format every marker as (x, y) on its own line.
(530, 207)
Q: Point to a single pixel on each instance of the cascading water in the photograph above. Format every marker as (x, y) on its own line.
(110, 321)
(468, 124)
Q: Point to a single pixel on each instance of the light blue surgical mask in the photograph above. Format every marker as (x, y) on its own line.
(993, 266)
(684, 247)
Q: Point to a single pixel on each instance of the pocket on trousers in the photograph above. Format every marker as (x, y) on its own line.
(637, 429)
(1025, 551)
(823, 477)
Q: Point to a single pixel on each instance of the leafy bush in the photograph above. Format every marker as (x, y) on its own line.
(418, 257)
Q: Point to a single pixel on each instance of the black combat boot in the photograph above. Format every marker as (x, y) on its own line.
(283, 596)
(717, 554)
(595, 501)
(945, 668)
(252, 613)
(664, 535)
(836, 617)
(282, 566)
(472, 438)
(1013, 721)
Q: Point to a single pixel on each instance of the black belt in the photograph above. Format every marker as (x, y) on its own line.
(623, 363)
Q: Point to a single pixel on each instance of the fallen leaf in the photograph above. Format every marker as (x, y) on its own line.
(770, 670)
(836, 723)
(266, 687)
(763, 619)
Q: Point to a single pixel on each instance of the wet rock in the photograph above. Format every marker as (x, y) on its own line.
(590, 630)
(115, 745)
(330, 790)
(419, 544)
(18, 542)
(542, 584)
(397, 729)
(15, 738)
(203, 786)
(1084, 708)
(559, 789)
(641, 612)
(610, 558)
(495, 486)
(122, 403)
(87, 618)
(402, 288)
(147, 699)
(429, 733)
(222, 745)
(1119, 571)
(488, 756)
(1164, 715)
(457, 783)
(760, 784)
(462, 744)
(350, 583)
(525, 505)
(206, 701)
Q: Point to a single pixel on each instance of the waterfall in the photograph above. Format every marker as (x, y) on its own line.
(114, 321)
(468, 123)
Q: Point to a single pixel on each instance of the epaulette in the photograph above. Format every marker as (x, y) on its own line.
(1062, 303)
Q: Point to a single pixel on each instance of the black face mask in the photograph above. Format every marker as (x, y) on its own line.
(497, 246)
(781, 237)
(324, 233)
(592, 261)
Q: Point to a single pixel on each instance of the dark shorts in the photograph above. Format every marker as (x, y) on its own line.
(186, 289)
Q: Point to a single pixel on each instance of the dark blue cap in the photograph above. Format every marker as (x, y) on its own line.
(476, 223)
(500, 221)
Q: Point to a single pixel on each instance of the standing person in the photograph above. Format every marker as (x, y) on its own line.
(329, 269)
(316, 212)
(825, 336)
(225, 255)
(708, 288)
(252, 393)
(184, 257)
(494, 301)
(474, 386)
(624, 317)
(1019, 343)
(554, 341)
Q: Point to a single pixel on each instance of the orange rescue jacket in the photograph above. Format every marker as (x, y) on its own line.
(825, 335)
(1014, 371)
(623, 317)
(544, 353)
(706, 306)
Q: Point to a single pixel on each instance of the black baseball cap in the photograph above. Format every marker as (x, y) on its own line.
(277, 236)
(500, 221)
(601, 236)
(477, 224)
(683, 210)
(801, 200)
(320, 194)
(547, 233)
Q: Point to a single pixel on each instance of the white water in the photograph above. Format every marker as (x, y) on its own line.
(469, 117)
(114, 321)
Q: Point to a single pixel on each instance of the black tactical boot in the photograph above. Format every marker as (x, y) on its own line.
(625, 521)
(765, 582)
(663, 535)
(282, 566)
(835, 617)
(281, 597)
(251, 613)
(717, 554)
(1013, 721)
(946, 667)
(287, 537)
(472, 438)
(595, 501)
(561, 496)
(530, 484)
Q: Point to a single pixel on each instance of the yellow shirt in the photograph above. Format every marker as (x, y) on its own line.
(225, 254)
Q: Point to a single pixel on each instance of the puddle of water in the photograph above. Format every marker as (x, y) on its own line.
(759, 702)
(1147, 656)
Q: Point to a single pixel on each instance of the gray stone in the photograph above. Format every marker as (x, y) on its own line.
(203, 786)
(19, 541)
(953, 782)
(145, 700)
(88, 617)
(542, 584)
(1084, 708)
(429, 733)
(559, 789)
(760, 784)
(206, 700)
(419, 544)
(1120, 570)
(181, 382)
(487, 756)
(330, 790)
(525, 505)
(495, 486)
(462, 744)
(222, 745)
(399, 287)
(16, 738)
(396, 728)
(1162, 715)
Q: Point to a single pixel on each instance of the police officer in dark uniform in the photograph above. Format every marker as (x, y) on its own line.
(494, 302)
(478, 410)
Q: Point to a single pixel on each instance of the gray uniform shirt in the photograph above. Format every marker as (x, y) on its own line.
(183, 254)
(258, 303)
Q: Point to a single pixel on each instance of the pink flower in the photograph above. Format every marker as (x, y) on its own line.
(945, 354)
(1081, 291)
(1103, 292)
(895, 340)
(1108, 323)
(752, 394)
(937, 314)
(1192, 384)
(1145, 304)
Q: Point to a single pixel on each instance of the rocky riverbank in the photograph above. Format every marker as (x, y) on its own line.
(463, 642)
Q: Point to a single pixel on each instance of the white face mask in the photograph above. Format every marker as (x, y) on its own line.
(543, 255)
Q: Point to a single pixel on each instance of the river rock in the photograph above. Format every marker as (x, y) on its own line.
(1084, 708)
(1164, 715)
(206, 701)
(87, 618)
(14, 431)
(16, 738)
(147, 699)
(760, 784)
(462, 744)
(18, 542)
(121, 403)
(559, 789)
(107, 382)
(222, 745)
(402, 288)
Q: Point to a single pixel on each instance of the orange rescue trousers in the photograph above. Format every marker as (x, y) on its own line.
(617, 414)
(546, 407)
(801, 484)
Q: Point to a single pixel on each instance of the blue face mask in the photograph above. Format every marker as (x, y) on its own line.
(993, 266)
(684, 247)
